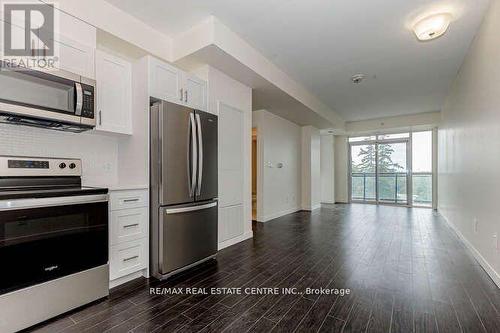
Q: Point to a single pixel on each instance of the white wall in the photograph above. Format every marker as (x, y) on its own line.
(278, 190)
(327, 168)
(341, 169)
(469, 137)
(311, 168)
(98, 152)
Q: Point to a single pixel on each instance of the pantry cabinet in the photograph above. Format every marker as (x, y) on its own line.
(171, 84)
(114, 97)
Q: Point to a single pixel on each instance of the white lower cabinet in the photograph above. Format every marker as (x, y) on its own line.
(128, 235)
(127, 258)
(128, 225)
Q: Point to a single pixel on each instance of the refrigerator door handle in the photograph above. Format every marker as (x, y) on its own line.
(190, 209)
(200, 156)
(193, 157)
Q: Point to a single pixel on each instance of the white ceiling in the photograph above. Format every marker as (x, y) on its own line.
(322, 43)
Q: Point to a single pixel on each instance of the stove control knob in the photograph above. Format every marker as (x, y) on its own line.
(72, 166)
(62, 165)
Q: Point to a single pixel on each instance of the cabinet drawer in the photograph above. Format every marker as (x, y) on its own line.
(128, 199)
(127, 258)
(128, 225)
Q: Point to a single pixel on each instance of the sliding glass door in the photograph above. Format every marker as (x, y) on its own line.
(379, 170)
(392, 173)
(422, 176)
(363, 180)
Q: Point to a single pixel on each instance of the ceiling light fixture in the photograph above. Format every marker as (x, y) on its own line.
(432, 27)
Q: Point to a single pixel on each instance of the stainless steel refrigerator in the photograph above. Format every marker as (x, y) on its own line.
(183, 176)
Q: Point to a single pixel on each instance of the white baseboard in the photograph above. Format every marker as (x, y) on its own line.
(235, 240)
(477, 255)
(278, 214)
(311, 208)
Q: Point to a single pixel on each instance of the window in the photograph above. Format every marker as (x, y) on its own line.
(380, 166)
(422, 168)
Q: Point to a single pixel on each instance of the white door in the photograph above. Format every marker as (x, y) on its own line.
(195, 92)
(165, 82)
(231, 181)
(114, 82)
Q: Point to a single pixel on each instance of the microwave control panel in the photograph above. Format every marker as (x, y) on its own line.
(88, 101)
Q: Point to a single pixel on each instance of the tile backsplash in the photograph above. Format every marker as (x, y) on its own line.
(99, 153)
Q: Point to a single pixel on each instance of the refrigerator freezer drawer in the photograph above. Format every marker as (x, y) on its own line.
(188, 234)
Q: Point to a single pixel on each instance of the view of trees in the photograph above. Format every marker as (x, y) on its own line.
(392, 175)
(385, 164)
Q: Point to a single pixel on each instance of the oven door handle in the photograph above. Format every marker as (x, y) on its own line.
(51, 202)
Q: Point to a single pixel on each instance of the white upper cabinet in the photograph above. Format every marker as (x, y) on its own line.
(75, 43)
(171, 84)
(114, 101)
(165, 81)
(74, 56)
(195, 92)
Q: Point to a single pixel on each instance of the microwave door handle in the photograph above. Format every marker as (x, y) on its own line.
(200, 154)
(79, 99)
(194, 155)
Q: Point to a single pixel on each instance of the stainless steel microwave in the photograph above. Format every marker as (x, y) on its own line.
(57, 99)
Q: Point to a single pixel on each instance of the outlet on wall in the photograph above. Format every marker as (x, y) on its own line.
(475, 225)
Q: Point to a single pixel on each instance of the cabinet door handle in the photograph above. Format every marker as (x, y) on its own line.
(186, 96)
(32, 47)
(100, 117)
(182, 92)
(131, 200)
(131, 258)
(131, 225)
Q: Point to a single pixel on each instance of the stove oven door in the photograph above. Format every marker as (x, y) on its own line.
(47, 238)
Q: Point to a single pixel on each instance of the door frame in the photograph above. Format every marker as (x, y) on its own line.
(376, 142)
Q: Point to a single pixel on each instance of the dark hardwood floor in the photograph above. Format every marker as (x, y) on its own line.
(406, 269)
